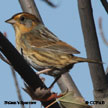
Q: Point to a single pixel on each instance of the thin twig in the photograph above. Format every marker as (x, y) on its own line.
(101, 32)
(4, 59)
(105, 4)
(50, 3)
(17, 86)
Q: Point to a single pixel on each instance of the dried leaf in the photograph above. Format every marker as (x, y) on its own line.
(58, 96)
(71, 101)
(40, 94)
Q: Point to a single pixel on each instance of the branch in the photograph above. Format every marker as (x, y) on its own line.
(5, 60)
(30, 7)
(23, 69)
(101, 32)
(50, 3)
(91, 44)
(66, 82)
(17, 86)
(105, 4)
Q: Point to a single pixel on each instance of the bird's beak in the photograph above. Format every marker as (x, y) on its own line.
(10, 21)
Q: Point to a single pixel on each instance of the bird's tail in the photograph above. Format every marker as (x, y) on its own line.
(80, 59)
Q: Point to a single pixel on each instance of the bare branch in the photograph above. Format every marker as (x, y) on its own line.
(101, 32)
(17, 86)
(30, 7)
(66, 82)
(105, 4)
(99, 79)
(4, 59)
(50, 3)
(91, 44)
(14, 75)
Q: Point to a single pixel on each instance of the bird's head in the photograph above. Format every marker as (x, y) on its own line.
(23, 22)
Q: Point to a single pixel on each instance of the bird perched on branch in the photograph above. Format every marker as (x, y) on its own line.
(41, 48)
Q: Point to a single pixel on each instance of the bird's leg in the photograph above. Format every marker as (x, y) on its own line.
(43, 71)
(56, 79)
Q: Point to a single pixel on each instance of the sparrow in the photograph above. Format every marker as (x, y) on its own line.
(41, 48)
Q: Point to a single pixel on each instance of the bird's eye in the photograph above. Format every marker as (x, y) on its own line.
(22, 18)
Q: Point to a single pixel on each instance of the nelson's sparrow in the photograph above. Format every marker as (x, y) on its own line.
(41, 48)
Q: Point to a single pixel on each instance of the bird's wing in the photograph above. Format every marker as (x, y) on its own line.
(45, 40)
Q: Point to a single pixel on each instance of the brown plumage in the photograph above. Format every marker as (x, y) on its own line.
(41, 48)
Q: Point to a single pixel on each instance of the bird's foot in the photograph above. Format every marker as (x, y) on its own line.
(45, 71)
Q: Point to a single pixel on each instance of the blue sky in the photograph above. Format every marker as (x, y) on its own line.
(65, 23)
